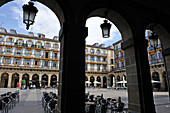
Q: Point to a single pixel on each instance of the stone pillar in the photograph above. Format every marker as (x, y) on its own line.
(49, 80)
(123, 81)
(40, 77)
(9, 80)
(20, 78)
(72, 69)
(95, 79)
(113, 82)
(101, 81)
(166, 54)
(140, 99)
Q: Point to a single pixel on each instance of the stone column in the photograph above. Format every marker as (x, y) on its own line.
(123, 81)
(113, 81)
(140, 99)
(95, 79)
(9, 80)
(20, 78)
(40, 77)
(72, 69)
(166, 54)
(49, 80)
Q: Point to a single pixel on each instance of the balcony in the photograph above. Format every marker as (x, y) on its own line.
(157, 61)
(117, 49)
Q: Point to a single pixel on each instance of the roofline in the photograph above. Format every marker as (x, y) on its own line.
(26, 36)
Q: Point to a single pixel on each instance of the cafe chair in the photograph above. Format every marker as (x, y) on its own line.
(52, 106)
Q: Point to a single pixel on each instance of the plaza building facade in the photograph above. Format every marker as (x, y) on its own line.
(155, 59)
(35, 59)
(27, 57)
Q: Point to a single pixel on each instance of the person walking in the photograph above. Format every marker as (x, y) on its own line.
(18, 85)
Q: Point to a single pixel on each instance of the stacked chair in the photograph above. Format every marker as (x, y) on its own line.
(8, 101)
(49, 102)
(102, 105)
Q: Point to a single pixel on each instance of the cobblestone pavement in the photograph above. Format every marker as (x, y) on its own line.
(30, 100)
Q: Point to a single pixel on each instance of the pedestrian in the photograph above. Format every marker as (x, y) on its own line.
(18, 85)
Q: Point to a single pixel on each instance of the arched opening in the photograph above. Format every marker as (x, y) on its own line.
(35, 80)
(112, 81)
(25, 77)
(54, 81)
(92, 80)
(15, 80)
(104, 82)
(4, 80)
(155, 77)
(44, 80)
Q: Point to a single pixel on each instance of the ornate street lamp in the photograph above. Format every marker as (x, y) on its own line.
(105, 29)
(154, 40)
(29, 14)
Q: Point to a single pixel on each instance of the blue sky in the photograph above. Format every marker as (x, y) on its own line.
(11, 16)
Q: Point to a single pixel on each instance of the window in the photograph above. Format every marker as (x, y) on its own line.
(18, 52)
(54, 64)
(56, 46)
(92, 67)
(46, 64)
(6, 61)
(47, 46)
(29, 43)
(28, 53)
(46, 55)
(92, 51)
(111, 61)
(98, 68)
(38, 45)
(27, 63)
(86, 67)
(10, 41)
(0, 38)
(91, 59)
(55, 56)
(37, 54)
(20, 42)
(8, 51)
(36, 63)
(17, 62)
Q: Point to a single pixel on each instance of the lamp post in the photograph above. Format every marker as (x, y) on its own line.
(105, 27)
(29, 13)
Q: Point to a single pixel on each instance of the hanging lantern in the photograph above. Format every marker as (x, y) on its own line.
(105, 29)
(154, 40)
(29, 14)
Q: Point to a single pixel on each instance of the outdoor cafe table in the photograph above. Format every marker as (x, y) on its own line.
(90, 103)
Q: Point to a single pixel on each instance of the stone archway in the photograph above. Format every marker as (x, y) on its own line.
(53, 82)
(104, 82)
(26, 78)
(92, 80)
(162, 31)
(44, 80)
(35, 80)
(98, 79)
(4, 80)
(15, 80)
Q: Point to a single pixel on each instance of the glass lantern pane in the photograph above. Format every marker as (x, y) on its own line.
(105, 32)
(26, 13)
(32, 16)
